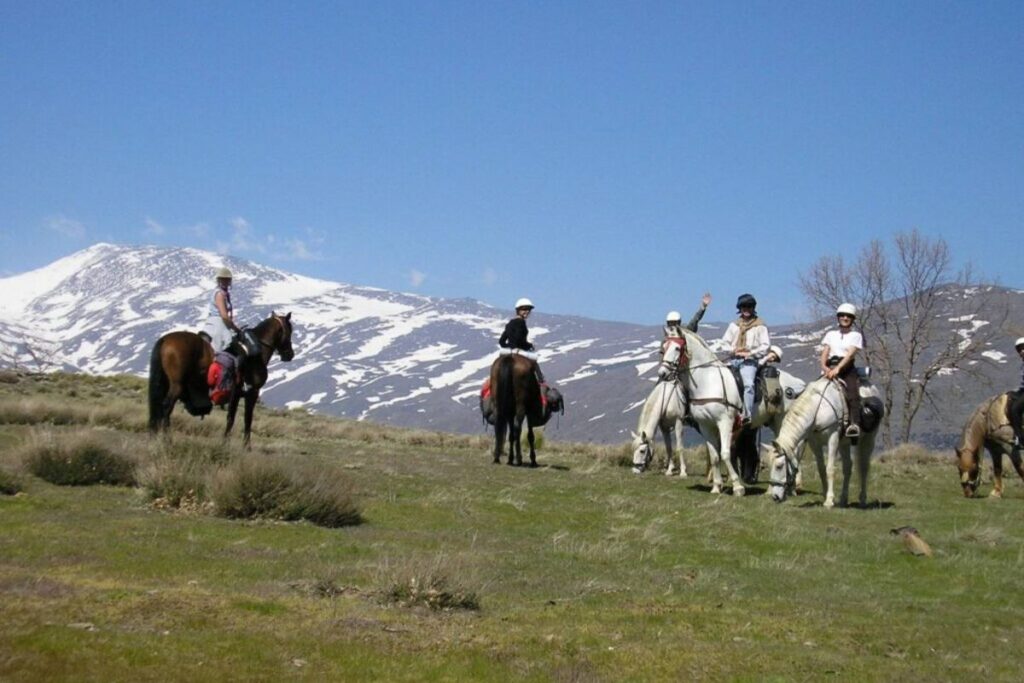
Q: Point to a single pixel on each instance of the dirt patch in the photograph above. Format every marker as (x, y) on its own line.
(42, 587)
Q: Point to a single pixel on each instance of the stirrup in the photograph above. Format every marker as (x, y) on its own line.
(852, 431)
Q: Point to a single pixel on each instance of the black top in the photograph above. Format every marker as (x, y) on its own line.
(514, 336)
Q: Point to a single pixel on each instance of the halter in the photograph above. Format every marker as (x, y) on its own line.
(273, 347)
(791, 469)
(646, 440)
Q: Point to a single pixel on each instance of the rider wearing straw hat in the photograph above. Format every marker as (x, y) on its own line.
(838, 349)
(220, 324)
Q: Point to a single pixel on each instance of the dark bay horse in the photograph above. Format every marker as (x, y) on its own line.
(988, 427)
(179, 363)
(516, 394)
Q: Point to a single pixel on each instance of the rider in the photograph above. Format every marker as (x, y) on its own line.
(1017, 402)
(774, 355)
(515, 335)
(220, 324)
(673, 320)
(748, 341)
(838, 349)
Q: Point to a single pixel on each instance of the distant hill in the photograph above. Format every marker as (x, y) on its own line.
(397, 358)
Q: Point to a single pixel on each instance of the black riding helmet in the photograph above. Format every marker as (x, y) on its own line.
(746, 300)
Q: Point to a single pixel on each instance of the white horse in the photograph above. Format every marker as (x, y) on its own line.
(714, 401)
(816, 418)
(664, 409)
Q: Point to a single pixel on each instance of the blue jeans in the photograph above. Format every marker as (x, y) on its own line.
(748, 371)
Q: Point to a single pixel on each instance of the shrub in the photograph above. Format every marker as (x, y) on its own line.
(78, 459)
(255, 486)
(427, 585)
(9, 483)
(178, 473)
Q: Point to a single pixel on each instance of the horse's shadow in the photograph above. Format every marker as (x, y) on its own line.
(872, 505)
(750, 490)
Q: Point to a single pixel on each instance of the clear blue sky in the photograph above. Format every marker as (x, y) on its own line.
(612, 160)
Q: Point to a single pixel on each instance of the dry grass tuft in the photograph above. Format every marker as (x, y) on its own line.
(273, 488)
(9, 483)
(178, 473)
(78, 458)
(427, 584)
(912, 454)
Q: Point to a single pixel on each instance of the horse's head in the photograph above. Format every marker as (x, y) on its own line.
(783, 471)
(283, 340)
(673, 357)
(970, 470)
(642, 452)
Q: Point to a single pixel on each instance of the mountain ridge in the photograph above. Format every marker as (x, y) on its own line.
(369, 353)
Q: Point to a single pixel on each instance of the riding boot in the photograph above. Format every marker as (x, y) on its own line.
(538, 373)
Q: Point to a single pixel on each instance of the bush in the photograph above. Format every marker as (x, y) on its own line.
(179, 472)
(78, 459)
(255, 487)
(427, 585)
(9, 483)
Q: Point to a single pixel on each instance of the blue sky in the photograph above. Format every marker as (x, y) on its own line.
(612, 160)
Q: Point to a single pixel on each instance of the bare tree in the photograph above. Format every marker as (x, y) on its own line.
(901, 296)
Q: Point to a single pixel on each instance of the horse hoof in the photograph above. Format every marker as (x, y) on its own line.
(738, 491)
(716, 489)
(637, 470)
(829, 503)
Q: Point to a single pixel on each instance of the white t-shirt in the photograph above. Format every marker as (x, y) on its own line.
(838, 343)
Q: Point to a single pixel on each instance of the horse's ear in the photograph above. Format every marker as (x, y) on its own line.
(633, 434)
(273, 314)
(288, 316)
(643, 435)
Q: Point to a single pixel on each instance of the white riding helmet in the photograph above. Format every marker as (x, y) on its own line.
(524, 303)
(848, 309)
(673, 317)
(1019, 343)
(777, 350)
(224, 273)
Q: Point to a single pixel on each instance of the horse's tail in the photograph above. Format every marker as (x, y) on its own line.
(505, 394)
(158, 386)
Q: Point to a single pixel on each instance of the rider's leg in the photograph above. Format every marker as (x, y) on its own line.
(1016, 415)
(536, 370)
(852, 380)
(748, 371)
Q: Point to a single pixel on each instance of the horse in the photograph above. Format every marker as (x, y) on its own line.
(816, 418)
(517, 396)
(178, 367)
(713, 399)
(768, 411)
(987, 427)
(664, 408)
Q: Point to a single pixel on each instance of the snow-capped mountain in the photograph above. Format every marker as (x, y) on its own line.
(368, 353)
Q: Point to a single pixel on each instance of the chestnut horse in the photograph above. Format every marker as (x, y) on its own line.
(517, 396)
(988, 427)
(180, 360)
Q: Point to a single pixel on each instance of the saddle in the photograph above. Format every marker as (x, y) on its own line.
(550, 398)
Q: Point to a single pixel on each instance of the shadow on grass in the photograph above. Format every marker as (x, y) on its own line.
(873, 505)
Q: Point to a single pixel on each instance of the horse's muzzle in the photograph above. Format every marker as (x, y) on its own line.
(287, 355)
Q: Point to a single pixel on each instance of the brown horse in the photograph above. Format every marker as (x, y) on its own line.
(517, 396)
(179, 363)
(987, 427)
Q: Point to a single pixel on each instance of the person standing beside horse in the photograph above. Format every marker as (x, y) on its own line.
(220, 324)
(838, 350)
(1016, 410)
(515, 338)
(748, 340)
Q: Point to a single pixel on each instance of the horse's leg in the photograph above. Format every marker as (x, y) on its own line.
(529, 437)
(167, 406)
(678, 434)
(236, 396)
(251, 397)
(1015, 460)
(500, 427)
(864, 450)
(515, 433)
(725, 425)
(714, 457)
(830, 467)
(997, 472)
(844, 453)
(670, 467)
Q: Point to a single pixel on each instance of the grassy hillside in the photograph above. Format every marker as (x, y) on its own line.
(457, 569)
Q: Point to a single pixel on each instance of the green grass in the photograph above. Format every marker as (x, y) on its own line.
(575, 571)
